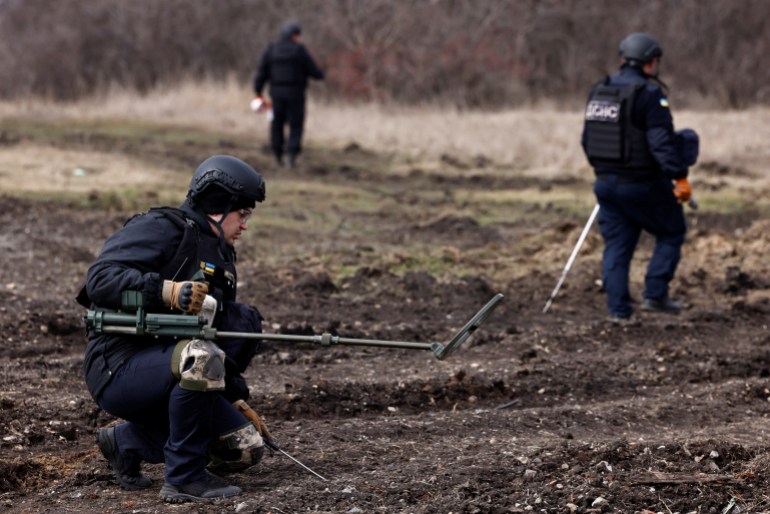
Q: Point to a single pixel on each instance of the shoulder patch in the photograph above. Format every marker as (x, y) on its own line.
(664, 102)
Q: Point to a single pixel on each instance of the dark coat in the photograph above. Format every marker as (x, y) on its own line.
(287, 66)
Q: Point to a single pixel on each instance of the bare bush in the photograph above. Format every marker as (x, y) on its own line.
(470, 53)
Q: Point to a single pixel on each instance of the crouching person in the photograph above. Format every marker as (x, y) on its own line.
(176, 397)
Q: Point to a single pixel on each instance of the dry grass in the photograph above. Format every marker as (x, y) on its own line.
(29, 168)
(542, 141)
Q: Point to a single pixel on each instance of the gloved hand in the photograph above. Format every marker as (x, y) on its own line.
(682, 190)
(252, 416)
(184, 296)
(259, 104)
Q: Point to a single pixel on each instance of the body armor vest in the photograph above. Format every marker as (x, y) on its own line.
(611, 140)
(286, 68)
(200, 252)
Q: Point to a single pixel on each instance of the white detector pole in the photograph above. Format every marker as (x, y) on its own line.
(571, 260)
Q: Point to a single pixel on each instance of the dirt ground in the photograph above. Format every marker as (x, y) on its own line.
(558, 412)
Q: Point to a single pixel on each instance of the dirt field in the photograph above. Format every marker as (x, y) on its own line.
(558, 412)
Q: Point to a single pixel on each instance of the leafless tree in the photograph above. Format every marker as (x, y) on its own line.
(468, 53)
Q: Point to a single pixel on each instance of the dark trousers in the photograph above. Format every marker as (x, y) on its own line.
(165, 423)
(627, 208)
(287, 110)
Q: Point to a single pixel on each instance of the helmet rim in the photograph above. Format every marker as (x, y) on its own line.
(230, 174)
(640, 47)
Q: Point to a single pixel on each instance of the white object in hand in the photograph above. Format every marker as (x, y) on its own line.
(257, 104)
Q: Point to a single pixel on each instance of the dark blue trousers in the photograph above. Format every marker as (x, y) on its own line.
(627, 208)
(165, 423)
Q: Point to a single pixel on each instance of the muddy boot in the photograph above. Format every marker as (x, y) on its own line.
(209, 487)
(127, 474)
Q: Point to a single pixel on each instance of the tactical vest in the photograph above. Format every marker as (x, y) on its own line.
(196, 252)
(199, 252)
(285, 65)
(611, 139)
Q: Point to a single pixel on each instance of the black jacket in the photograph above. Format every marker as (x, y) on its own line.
(162, 244)
(287, 66)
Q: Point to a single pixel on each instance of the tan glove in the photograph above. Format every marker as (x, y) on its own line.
(184, 296)
(682, 190)
(252, 416)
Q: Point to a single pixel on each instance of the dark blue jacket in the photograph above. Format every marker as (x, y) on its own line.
(150, 248)
(650, 114)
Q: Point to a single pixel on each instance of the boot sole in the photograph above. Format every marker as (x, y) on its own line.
(170, 495)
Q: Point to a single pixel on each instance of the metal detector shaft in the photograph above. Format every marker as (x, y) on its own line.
(325, 339)
(572, 257)
(190, 327)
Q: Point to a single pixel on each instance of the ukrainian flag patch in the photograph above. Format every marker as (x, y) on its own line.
(664, 102)
(208, 268)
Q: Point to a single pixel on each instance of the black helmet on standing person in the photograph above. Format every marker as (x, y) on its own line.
(291, 28)
(639, 48)
(223, 183)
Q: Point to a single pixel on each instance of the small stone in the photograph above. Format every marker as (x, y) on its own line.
(529, 474)
(572, 507)
(598, 502)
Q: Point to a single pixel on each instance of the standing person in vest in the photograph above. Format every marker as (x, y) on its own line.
(176, 397)
(641, 175)
(287, 65)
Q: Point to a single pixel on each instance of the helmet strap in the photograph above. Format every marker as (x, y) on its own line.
(218, 224)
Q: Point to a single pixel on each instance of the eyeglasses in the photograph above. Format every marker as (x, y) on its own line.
(245, 214)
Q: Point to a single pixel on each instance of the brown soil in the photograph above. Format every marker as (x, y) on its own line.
(556, 412)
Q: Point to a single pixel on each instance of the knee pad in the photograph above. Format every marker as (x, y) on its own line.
(237, 450)
(199, 365)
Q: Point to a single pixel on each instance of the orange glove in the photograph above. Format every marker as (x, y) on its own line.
(252, 416)
(682, 190)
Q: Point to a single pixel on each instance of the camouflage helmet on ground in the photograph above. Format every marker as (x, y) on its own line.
(223, 182)
(639, 47)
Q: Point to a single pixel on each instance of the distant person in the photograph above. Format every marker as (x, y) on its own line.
(641, 168)
(177, 397)
(287, 65)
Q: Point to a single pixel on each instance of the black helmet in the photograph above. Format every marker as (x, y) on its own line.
(223, 183)
(639, 47)
(290, 29)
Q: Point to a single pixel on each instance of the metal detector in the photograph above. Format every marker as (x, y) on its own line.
(185, 326)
